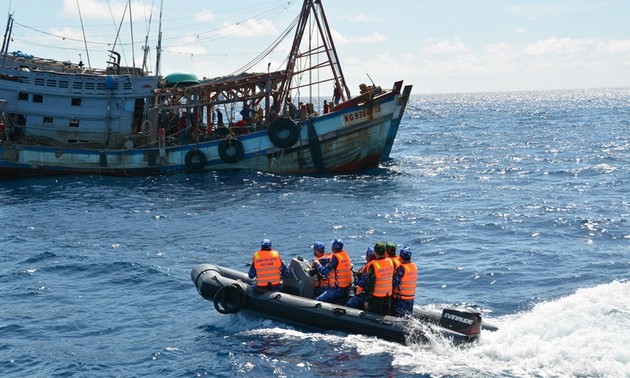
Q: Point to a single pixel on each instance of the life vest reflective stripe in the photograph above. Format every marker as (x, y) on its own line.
(384, 273)
(407, 289)
(342, 276)
(267, 265)
(323, 281)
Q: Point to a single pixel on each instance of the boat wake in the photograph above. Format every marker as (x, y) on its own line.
(582, 334)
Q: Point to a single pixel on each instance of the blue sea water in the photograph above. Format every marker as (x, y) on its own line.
(515, 204)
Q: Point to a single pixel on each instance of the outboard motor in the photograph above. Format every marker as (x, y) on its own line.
(467, 323)
(299, 282)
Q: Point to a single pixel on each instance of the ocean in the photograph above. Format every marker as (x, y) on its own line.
(513, 203)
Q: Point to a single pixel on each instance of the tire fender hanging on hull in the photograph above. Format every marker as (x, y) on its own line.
(195, 160)
(284, 133)
(231, 150)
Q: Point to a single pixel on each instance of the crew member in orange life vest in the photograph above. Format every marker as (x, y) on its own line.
(378, 282)
(390, 252)
(358, 299)
(339, 272)
(404, 284)
(323, 258)
(267, 267)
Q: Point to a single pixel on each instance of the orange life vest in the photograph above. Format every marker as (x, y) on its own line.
(407, 288)
(342, 275)
(267, 265)
(395, 260)
(384, 273)
(323, 281)
(359, 289)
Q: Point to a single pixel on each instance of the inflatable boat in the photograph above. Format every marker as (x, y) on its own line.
(232, 291)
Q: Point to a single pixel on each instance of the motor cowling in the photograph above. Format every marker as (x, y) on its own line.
(465, 322)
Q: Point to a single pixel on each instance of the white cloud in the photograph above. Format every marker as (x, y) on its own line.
(102, 10)
(445, 47)
(520, 30)
(555, 45)
(361, 17)
(250, 28)
(375, 37)
(205, 16)
(551, 8)
(339, 38)
(614, 46)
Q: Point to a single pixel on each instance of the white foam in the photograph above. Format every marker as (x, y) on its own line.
(583, 334)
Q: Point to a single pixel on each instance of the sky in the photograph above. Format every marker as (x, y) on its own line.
(439, 46)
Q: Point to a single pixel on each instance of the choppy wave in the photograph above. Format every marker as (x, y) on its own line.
(513, 203)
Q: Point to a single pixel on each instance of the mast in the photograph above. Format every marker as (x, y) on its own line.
(158, 50)
(313, 8)
(7, 37)
(133, 50)
(145, 48)
(340, 80)
(87, 52)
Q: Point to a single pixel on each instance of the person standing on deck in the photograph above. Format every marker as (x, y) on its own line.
(336, 94)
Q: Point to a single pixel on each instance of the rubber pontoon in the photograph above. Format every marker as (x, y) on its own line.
(232, 291)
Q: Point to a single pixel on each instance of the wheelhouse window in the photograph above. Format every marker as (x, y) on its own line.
(74, 123)
(23, 96)
(48, 119)
(38, 98)
(76, 102)
(21, 120)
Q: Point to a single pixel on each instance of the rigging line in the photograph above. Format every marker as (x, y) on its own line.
(87, 52)
(271, 11)
(60, 36)
(29, 43)
(269, 49)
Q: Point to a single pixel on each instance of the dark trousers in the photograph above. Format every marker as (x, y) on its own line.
(380, 305)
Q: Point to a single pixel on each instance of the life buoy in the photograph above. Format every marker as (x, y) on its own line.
(195, 160)
(231, 150)
(146, 127)
(284, 133)
(229, 299)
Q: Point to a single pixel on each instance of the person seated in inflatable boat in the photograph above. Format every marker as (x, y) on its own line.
(339, 272)
(268, 268)
(359, 291)
(321, 257)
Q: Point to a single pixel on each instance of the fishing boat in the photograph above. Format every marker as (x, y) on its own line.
(64, 118)
(232, 291)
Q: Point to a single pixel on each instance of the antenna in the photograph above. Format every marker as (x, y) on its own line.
(368, 75)
(87, 53)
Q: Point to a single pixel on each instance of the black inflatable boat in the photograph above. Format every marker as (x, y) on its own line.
(232, 291)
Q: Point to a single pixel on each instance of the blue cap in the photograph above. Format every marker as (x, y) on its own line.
(337, 245)
(405, 253)
(319, 246)
(265, 244)
(369, 254)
